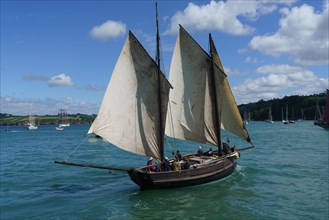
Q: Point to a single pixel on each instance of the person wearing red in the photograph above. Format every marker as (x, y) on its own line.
(150, 166)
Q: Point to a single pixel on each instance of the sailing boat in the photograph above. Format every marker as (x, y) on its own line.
(197, 112)
(245, 118)
(324, 123)
(270, 119)
(286, 121)
(283, 121)
(199, 105)
(62, 118)
(303, 118)
(318, 115)
(292, 120)
(31, 124)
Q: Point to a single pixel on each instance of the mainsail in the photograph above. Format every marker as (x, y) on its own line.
(192, 108)
(191, 115)
(129, 113)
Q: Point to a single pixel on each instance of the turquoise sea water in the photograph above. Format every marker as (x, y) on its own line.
(286, 176)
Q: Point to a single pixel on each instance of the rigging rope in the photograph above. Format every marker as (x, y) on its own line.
(75, 149)
(65, 162)
(169, 144)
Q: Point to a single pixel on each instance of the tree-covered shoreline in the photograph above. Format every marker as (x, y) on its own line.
(257, 111)
(8, 119)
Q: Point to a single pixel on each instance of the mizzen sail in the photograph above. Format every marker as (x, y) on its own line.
(129, 113)
(231, 119)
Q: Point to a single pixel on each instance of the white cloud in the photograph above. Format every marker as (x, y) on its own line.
(316, 87)
(303, 34)
(250, 60)
(233, 72)
(223, 16)
(279, 80)
(60, 80)
(109, 29)
(278, 69)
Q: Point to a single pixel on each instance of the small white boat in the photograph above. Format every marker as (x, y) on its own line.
(270, 118)
(31, 124)
(59, 128)
(285, 121)
(32, 127)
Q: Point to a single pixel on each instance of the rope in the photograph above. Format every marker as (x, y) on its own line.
(169, 144)
(75, 149)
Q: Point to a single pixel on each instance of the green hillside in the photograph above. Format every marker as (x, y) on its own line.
(259, 111)
(8, 119)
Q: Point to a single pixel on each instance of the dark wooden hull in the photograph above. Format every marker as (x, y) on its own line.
(324, 125)
(203, 173)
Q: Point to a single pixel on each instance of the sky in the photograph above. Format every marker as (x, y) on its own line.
(60, 54)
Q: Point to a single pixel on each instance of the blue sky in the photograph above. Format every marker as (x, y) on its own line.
(61, 53)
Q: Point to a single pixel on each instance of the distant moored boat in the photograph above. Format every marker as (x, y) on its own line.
(63, 118)
(31, 124)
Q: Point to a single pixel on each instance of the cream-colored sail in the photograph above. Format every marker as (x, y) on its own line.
(231, 118)
(129, 116)
(191, 114)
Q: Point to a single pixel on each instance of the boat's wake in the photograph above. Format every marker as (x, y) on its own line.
(240, 169)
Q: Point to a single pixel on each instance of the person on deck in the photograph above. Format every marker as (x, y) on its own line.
(166, 164)
(176, 166)
(157, 167)
(209, 152)
(150, 166)
(200, 151)
(226, 148)
(178, 156)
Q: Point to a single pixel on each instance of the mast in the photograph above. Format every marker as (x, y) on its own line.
(215, 94)
(326, 111)
(282, 114)
(159, 84)
(287, 112)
